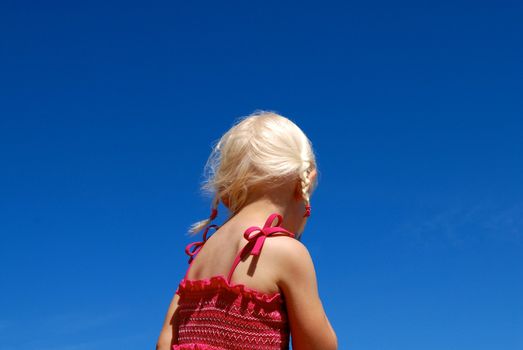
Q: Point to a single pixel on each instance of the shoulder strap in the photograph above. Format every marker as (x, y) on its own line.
(193, 248)
(256, 237)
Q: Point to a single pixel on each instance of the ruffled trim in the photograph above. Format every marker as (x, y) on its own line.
(217, 282)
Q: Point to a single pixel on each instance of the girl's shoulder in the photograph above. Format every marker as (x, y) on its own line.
(285, 245)
(290, 255)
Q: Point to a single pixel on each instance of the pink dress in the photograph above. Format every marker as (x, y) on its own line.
(214, 314)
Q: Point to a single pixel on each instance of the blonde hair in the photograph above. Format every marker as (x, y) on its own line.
(261, 149)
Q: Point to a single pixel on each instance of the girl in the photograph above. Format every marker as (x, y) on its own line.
(233, 296)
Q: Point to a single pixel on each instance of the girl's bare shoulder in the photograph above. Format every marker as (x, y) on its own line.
(289, 254)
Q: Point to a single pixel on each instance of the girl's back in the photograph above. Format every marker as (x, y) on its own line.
(218, 254)
(217, 312)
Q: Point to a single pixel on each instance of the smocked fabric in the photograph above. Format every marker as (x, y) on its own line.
(214, 314)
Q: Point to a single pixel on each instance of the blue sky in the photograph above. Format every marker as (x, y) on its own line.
(108, 111)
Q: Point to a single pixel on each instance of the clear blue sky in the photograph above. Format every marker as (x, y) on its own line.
(108, 111)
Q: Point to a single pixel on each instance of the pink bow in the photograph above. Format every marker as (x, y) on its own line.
(193, 248)
(258, 235)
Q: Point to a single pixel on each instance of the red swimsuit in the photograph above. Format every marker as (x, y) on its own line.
(214, 314)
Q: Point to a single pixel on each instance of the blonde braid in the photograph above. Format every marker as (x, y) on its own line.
(305, 182)
(198, 226)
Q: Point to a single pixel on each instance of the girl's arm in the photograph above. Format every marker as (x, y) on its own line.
(167, 336)
(310, 327)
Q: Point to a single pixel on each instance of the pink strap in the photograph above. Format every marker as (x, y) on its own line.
(193, 248)
(256, 237)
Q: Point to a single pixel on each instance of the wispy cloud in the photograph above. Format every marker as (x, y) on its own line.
(459, 223)
(508, 222)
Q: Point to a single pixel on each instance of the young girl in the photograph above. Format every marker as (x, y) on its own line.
(252, 284)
